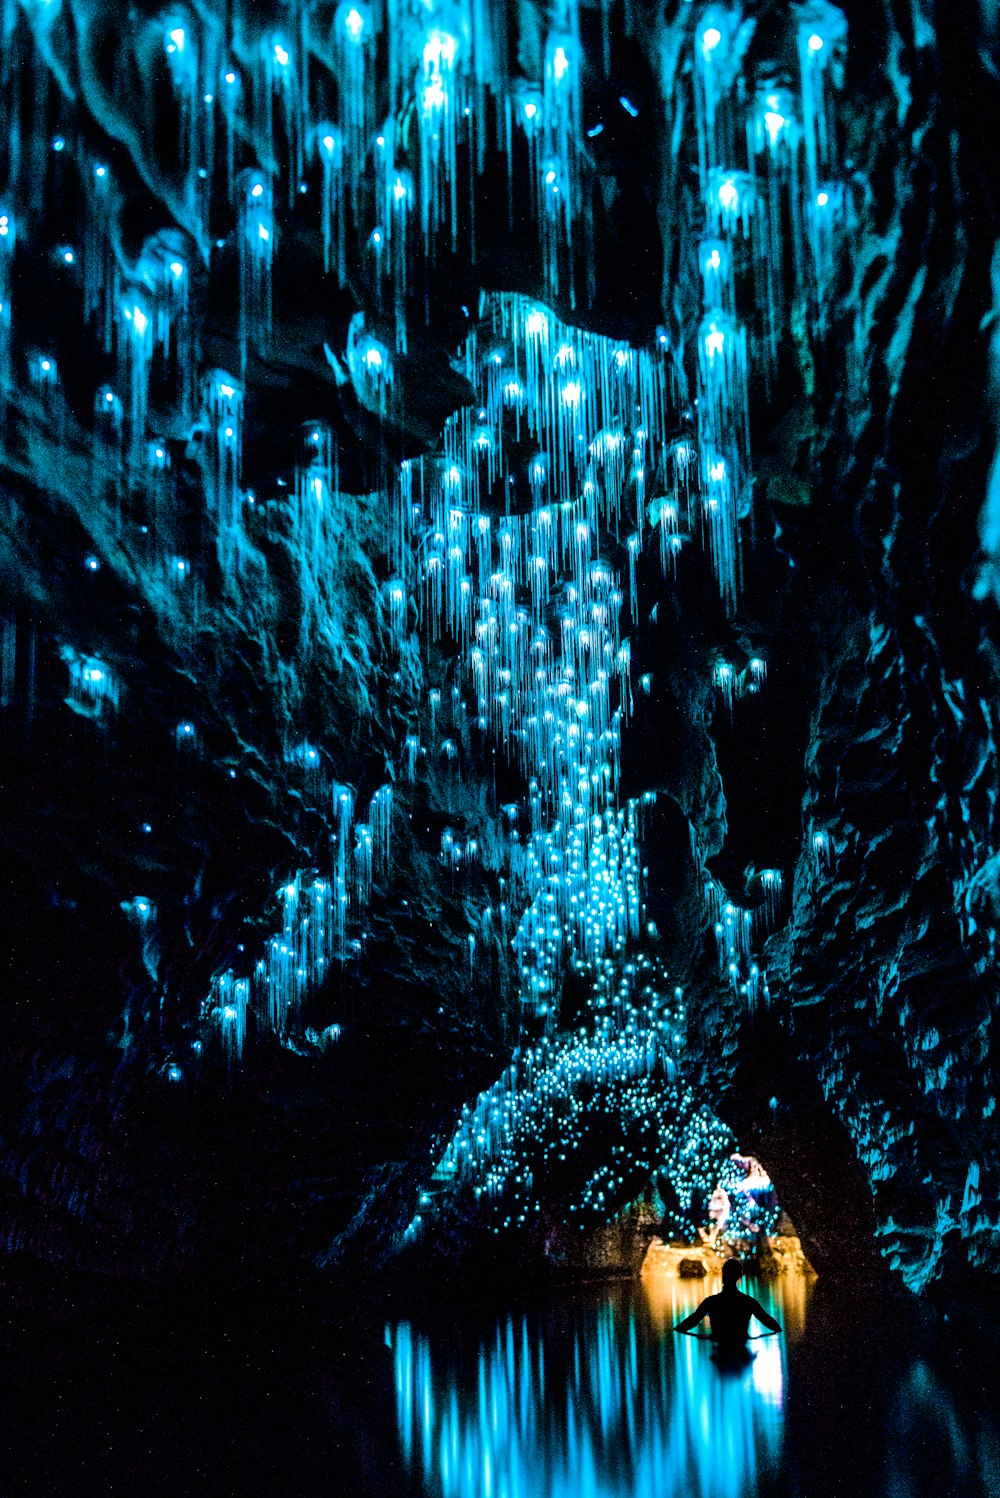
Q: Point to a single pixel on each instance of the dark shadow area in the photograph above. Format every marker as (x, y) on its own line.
(863, 1393)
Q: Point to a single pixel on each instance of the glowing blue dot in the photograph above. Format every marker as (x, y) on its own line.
(58, 143)
(354, 24)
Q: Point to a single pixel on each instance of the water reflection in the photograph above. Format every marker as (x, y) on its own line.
(596, 1399)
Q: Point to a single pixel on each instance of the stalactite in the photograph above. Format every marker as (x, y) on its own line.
(8, 661)
(371, 366)
(163, 271)
(821, 35)
(723, 438)
(354, 39)
(735, 933)
(318, 521)
(438, 107)
(224, 437)
(284, 85)
(180, 49)
(329, 145)
(551, 708)
(93, 689)
(100, 263)
(516, 538)
(256, 233)
(8, 242)
(559, 192)
(230, 998)
(380, 822)
(137, 353)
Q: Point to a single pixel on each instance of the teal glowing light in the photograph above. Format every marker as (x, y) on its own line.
(93, 687)
(729, 195)
(595, 1399)
(715, 340)
(351, 21)
(560, 61)
(774, 124)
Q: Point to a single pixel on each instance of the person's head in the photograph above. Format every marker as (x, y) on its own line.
(731, 1271)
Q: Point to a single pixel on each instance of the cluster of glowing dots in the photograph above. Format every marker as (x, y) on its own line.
(781, 194)
(549, 680)
(533, 1125)
(732, 682)
(315, 913)
(739, 931)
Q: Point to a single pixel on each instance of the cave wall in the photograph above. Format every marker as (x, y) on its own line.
(132, 1141)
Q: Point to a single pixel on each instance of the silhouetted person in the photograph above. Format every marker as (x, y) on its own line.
(729, 1312)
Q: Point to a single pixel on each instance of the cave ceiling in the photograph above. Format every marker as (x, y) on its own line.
(499, 646)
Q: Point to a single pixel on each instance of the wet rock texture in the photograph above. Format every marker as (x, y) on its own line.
(866, 771)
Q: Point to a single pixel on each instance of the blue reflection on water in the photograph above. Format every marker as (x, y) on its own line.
(594, 1400)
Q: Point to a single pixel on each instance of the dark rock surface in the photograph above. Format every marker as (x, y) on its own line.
(867, 1086)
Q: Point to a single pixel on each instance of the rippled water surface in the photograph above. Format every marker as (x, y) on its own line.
(594, 1396)
(574, 1394)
